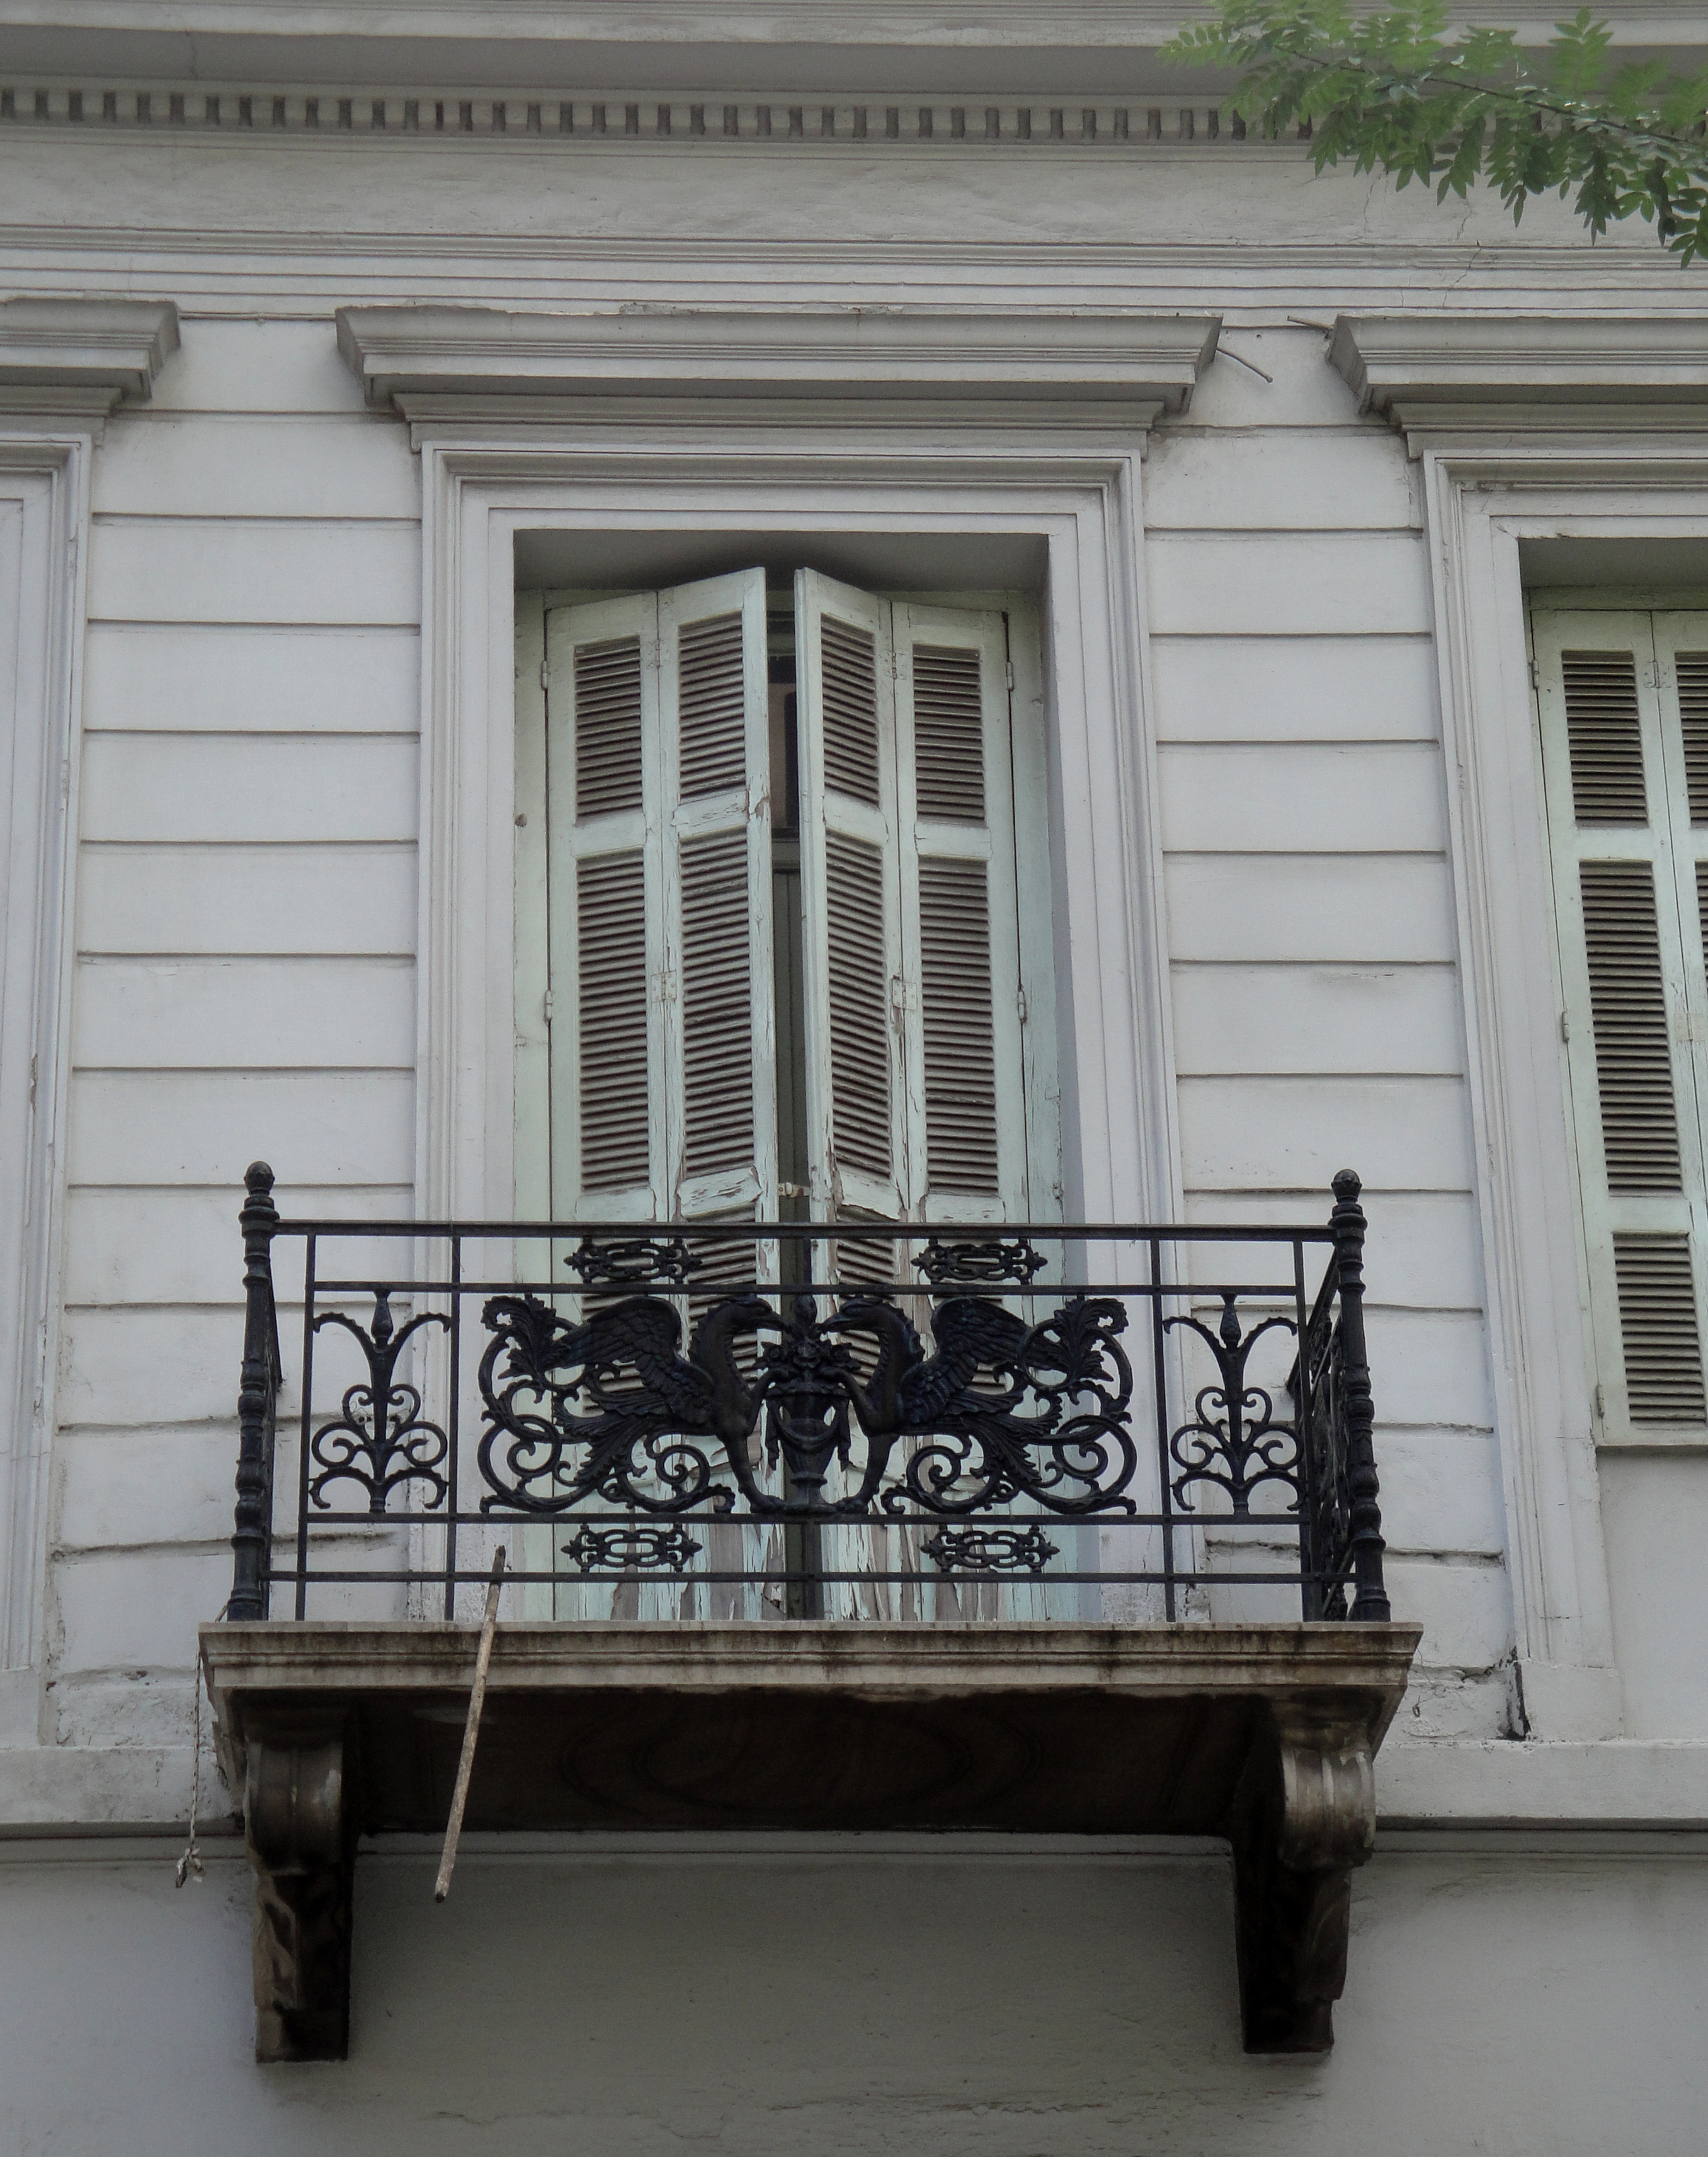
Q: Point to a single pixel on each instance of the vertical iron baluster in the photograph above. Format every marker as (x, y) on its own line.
(1309, 1518)
(1370, 1600)
(1158, 1338)
(252, 1527)
(453, 1486)
(309, 1258)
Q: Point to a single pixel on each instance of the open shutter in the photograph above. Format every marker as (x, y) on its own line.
(716, 824)
(851, 901)
(1616, 763)
(605, 912)
(960, 935)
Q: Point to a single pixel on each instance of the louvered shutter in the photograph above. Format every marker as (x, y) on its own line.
(663, 1044)
(605, 912)
(851, 901)
(960, 936)
(1617, 758)
(716, 824)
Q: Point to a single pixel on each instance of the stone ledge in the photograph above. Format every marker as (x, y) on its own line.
(1263, 1734)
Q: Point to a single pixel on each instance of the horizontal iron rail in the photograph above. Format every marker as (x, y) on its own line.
(618, 1576)
(515, 1516)
(1281, 1291)
(819, 1232)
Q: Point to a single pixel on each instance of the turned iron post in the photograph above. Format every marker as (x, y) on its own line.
(252, 1536)
(1370, 1597)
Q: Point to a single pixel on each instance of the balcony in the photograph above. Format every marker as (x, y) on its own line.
(1037, 1529)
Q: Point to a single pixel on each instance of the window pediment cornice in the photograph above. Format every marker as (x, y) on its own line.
(1568, 377)
(439, 362)
(82, 357)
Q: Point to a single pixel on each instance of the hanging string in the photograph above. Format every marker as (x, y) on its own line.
(190, 1864)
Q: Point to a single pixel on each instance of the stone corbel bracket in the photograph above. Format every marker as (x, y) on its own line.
(1305, 1817)
(439, 363)
(80, 357)
(301, 1845)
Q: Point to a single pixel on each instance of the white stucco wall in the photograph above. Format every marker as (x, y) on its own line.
(925, 2000)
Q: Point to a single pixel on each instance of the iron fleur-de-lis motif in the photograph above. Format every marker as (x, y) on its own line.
(1233, 1439)
(380, 1439)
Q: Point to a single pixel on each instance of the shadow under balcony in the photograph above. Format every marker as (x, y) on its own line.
(1005, 1531)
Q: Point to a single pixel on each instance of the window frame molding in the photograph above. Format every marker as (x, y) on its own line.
(1530, 427)
(39, 942)
(65, 363)
(969, 457)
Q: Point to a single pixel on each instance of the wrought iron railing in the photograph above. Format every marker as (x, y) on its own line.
(785, 1419)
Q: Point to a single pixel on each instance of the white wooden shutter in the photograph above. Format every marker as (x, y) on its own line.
(1617, 759)
(663, 1041)
(716, 823)
(605, 912)
(851, 901)
(960, 935)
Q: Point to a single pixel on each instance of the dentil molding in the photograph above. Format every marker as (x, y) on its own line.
(427, 361)
(602, 115)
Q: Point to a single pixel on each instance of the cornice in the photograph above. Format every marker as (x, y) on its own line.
(432, 361)
(79, 358)
(1564, 377)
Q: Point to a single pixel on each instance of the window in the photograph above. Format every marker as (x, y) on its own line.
(1623, 705)
(779, 898)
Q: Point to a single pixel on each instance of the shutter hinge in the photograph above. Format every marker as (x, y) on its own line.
(545, 674)
(1008, 669)
(1020, 1004)
(1536, 678)
(1565, 1027)
(1601, 1401)
(664, 985)
(545, 1007)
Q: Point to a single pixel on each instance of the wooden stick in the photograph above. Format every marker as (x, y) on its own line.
(464, 1767)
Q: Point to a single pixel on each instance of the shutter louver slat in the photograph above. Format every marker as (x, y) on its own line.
(850, 712)
(712, 710)
(607, 727)
(1628, 1003)
(1604, 732)
(960, 1039)
(611, 1021)
(948, 734)
(859, 1002)
(1658, 1324)
(1692, 670)
(717, 1020)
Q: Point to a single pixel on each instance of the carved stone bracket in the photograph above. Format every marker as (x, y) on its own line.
(301, 1845)
(1305, 1816)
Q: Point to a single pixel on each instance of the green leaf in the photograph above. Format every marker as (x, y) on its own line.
(1401, 91)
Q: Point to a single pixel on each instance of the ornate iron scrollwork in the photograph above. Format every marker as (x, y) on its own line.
(1018, 1262)
(610, 1407)
(634, 1262)
(990, 1550)
(1234, 1440)
(623, 1549)
(380, 1439)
